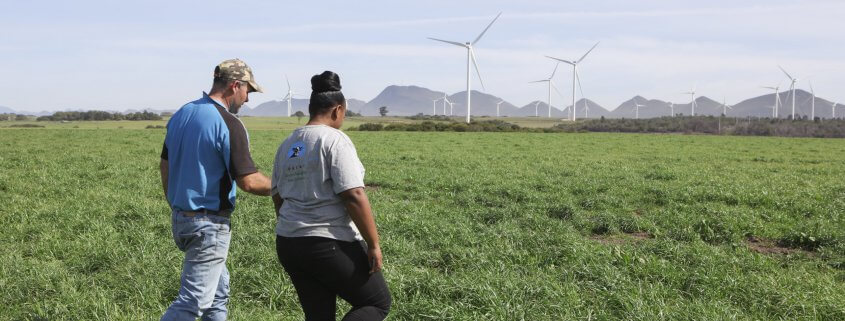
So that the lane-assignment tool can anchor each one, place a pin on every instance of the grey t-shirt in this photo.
(313, 165)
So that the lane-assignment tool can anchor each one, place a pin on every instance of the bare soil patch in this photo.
(765, 246)
(623, 238)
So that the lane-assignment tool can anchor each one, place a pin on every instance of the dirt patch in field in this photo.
(620, 239)
(372, 187)
(764, 246)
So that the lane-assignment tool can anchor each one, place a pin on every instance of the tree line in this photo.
(98, 115)
(831, 128)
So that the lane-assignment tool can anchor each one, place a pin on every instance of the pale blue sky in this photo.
(159, 54)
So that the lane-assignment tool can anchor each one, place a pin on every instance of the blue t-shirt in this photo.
(206, 148)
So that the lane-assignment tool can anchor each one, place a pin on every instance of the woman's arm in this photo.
(277, 202)
(358, 208)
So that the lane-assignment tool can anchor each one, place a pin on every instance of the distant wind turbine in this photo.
(470, 59)
(497, 107)
(692, 97)
(289, 95)
(777, 100)
(637, 109)
(833, 110)
(725, 108)
(434, 106)
(574, 64)
(535, 108)
(672, 108)
(549, 81)
(813, 103)
(792, 88)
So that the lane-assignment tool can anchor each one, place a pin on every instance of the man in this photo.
(205, 151)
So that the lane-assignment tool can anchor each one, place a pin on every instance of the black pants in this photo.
(322, 269)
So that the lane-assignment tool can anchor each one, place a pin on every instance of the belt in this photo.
(224, 213)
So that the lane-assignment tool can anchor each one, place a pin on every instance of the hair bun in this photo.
(327, 81)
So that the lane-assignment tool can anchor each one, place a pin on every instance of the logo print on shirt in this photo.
(296, 150)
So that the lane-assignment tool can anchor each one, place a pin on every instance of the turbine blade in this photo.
(543, 80)
(558, 91)
(554, 71)
(581, 89)
(288, 81)
(485, 29)
(588, 52)
(449, 42)
(561, 60)
(787, 74)
(477, 71)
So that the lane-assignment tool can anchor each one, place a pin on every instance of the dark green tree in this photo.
(382, 111)
(299, 114)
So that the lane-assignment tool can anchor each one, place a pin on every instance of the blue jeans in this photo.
(204, 287)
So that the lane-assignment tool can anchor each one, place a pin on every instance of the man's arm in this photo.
(255, 183)
(358, 208)
(162, 167)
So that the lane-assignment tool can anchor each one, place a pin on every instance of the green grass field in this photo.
(475, 226)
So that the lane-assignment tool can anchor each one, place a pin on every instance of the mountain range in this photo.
(413, 100)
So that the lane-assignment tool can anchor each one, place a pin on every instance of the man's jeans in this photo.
(205, 280)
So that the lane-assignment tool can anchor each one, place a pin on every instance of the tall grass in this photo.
(475, 226)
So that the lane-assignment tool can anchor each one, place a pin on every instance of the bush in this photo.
(26, 126)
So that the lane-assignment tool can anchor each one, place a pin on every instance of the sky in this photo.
(118, 55)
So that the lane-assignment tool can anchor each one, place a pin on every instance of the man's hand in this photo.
(255, 183)
(164, 169)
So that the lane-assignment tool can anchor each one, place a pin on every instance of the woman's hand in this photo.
(374, 258)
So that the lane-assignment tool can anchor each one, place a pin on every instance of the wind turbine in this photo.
(672, 108)
(725, 108)
(777, 100)
(470, 58)
(692, 97)
(451, 109)
(289, 95)
(549, 80)
(637, 109)
(574, 64)
(792, 88)
(535, 108)
(434, 106)
(497, 107)
(812, 103)
(833, 110)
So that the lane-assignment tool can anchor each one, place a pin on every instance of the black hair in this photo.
(325, 93)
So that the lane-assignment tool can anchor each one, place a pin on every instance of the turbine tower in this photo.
(574, 64)
(434, 106)
(833, 110)
(549, 80)
(792, 88)
(535, 108)
(497, 107)
(637, 109)
(775, 112)
(725, 108)
(812, 103)
(692, 97)
(289, 95)
(672, 108)
(470, 59)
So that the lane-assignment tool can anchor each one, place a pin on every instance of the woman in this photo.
(324, 214)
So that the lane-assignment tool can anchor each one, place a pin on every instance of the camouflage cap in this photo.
(236, 69)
